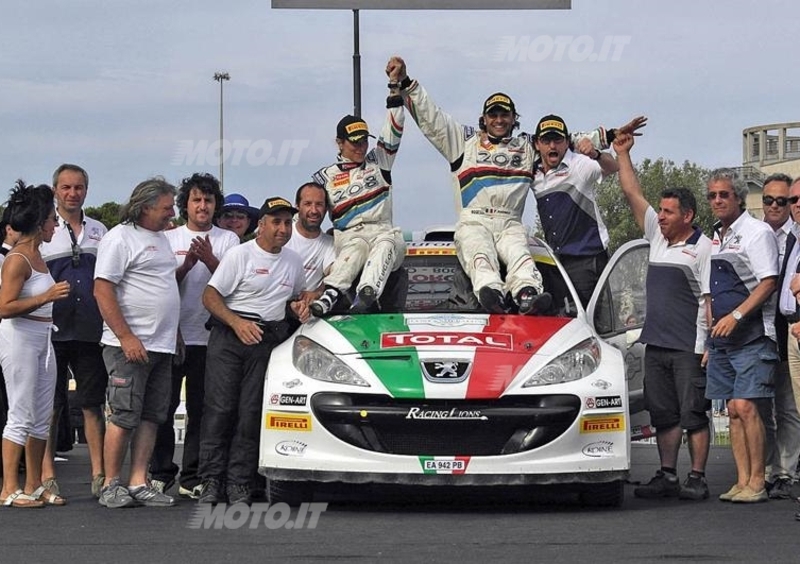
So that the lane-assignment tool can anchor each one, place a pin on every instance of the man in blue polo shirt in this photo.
(675, 330)
(742, 353)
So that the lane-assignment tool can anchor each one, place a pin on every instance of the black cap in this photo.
(551, 124)
(352, 128)
(499, 100)
(275, 205)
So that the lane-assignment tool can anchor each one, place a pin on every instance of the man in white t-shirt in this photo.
(198, 246)
(249, 296)
(137, 294)
(314, 247)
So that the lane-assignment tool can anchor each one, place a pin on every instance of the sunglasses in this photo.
(76, 255)
(723, 194)
(780, 200)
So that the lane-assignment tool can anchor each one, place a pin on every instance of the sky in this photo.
(126, 89)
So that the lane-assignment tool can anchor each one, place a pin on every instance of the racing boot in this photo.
(324, 304)
(364, 299)
(492, 300)
(532, 303)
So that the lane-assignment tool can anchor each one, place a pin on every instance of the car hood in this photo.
(412, 354)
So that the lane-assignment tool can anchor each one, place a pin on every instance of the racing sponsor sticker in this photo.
(288, 399)
(288, 422)
(499, 341)
(293, 383)
(291, 448)
(598, 449)
(444, 464)
(601, 384)
(452, 414)
(601, 402)
(602, 423)
(449, 320)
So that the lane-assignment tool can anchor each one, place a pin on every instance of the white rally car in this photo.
(432, 390)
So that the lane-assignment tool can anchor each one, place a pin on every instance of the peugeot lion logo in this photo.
(445, 371)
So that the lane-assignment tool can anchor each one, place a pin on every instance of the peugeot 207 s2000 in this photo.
(432, 390)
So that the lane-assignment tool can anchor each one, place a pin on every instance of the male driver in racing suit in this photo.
(492, 174)
(360, 203)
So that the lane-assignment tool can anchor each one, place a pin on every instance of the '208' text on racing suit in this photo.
(360, 202)
(491, 182)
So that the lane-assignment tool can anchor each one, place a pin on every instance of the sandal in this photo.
(52, 485)
(21, 500)
(45, 496)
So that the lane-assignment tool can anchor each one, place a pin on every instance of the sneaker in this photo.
(148, 496)
(115, 496)
(662, 485)
(748, 495)
(492, 300)
(324, 304)
(781, 489)
(694, 488)
(97, 484)
(211, 491)
(532, 303)
(731, 493)
(193, 493)
(161, 486)
(238, 493)
(364, 299)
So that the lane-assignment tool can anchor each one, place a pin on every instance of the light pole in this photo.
(221, 77)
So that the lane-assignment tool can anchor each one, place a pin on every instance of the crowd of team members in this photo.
(134, 311)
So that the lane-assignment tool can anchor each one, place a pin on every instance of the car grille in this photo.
(445, 427)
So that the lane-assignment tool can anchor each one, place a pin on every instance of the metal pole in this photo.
(220, 77)
(356, 68)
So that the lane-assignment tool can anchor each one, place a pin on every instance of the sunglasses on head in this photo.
(780, 200)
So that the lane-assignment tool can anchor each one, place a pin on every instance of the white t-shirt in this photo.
(251, 280)
(141, 265)
(317, 255)
(193, 314)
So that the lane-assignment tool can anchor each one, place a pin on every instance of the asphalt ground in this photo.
(415, 526)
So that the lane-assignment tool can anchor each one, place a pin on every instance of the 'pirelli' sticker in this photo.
(602, 423)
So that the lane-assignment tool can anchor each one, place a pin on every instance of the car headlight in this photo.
(578, 362)
(317, 362)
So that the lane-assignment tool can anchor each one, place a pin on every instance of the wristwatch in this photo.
(737, 315)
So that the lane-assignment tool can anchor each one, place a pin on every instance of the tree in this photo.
(107, 214)
(654, 176)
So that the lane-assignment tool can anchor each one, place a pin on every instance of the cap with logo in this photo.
(551, 124)
(275, 205)
(500, 101)
(352, 128)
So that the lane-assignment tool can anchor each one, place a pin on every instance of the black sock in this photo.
(666, 470)
(697, 474)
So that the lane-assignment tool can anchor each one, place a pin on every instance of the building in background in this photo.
(767, 149)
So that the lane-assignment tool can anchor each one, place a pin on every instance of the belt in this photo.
(792, 317)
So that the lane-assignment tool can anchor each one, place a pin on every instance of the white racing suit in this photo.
(491, 182)
(360, 203)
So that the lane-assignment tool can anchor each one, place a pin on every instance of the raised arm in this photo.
(444, 133)
(628, 180)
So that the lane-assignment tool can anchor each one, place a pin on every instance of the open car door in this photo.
(617, 313)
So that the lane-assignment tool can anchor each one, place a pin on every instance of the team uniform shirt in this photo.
(193, 315)
(362, 193)
(567, 202)
(317, 255)
(781, 234)
(76, 316)
(253, 281)
(678, 279)
(747, 255)
(141, 265)
(788, 303)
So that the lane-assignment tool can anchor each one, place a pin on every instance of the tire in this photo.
(291, 493)
(610, 494)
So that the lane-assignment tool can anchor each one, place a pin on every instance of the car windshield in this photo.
(432, 280)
